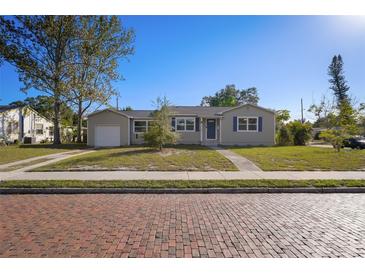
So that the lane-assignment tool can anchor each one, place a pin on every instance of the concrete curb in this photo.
(180, 190)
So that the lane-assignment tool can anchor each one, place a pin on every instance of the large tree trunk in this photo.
(56, 122)
(79, 121)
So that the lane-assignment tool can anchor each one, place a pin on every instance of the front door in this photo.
(211, 129)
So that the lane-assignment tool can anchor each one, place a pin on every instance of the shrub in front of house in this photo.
(301, 132)
(284, 137)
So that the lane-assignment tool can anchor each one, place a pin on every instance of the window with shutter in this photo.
(247, 124)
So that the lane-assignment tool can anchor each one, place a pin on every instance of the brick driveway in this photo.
(198, 225)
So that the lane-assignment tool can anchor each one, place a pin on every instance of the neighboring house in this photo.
(316, 131)
(17, 123)
(246, 125)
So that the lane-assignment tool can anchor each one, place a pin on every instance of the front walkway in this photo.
(197, 225)
(242, 163)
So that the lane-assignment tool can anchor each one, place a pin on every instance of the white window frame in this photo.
(147, 126)
(36, 129)
(248, 117)
(185, 118)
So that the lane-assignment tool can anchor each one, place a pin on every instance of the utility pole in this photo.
(117, 95)
(301, 106)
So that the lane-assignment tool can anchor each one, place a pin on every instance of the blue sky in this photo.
(188, 57)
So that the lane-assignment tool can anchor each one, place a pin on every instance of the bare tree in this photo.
(103, 40)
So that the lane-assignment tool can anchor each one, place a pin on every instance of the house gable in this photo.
(109, 110)
(246, 106)
(248, 125)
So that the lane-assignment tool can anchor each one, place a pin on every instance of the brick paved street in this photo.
(198, 225)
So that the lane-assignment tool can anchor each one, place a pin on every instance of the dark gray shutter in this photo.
(197, 124)
(173, 123)
(234, 123)
(260, 124)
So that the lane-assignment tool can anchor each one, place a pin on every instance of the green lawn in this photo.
(303, 158)
(14, 153)
(145, 158)
(183, 184)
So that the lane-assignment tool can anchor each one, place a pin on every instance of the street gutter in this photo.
(181, 190)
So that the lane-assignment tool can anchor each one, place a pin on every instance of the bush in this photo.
(284, 137)
(335, 137)
(301, 132)
(45, 141)
(67, 135)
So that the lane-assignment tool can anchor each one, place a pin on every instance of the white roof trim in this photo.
(184, 115)
(141, 118)
(111, 110)
(21, 108)
(45, 118)
(247, 105)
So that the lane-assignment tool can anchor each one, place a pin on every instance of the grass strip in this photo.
(182, 184)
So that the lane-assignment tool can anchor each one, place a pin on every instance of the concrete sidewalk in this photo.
(182, 175)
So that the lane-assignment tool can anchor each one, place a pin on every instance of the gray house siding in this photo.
(189, 138)
(107, 118)
(266, 137)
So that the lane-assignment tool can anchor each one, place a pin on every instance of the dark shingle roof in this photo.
(138, 113)
(180, 110)
(198, 111)
(4, 108)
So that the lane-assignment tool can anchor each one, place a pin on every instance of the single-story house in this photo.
(19, 122)
(245, 125)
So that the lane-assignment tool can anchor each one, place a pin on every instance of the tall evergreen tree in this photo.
(344, 122)
(337, 81)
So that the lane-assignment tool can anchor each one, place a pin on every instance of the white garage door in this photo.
(107, 136)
